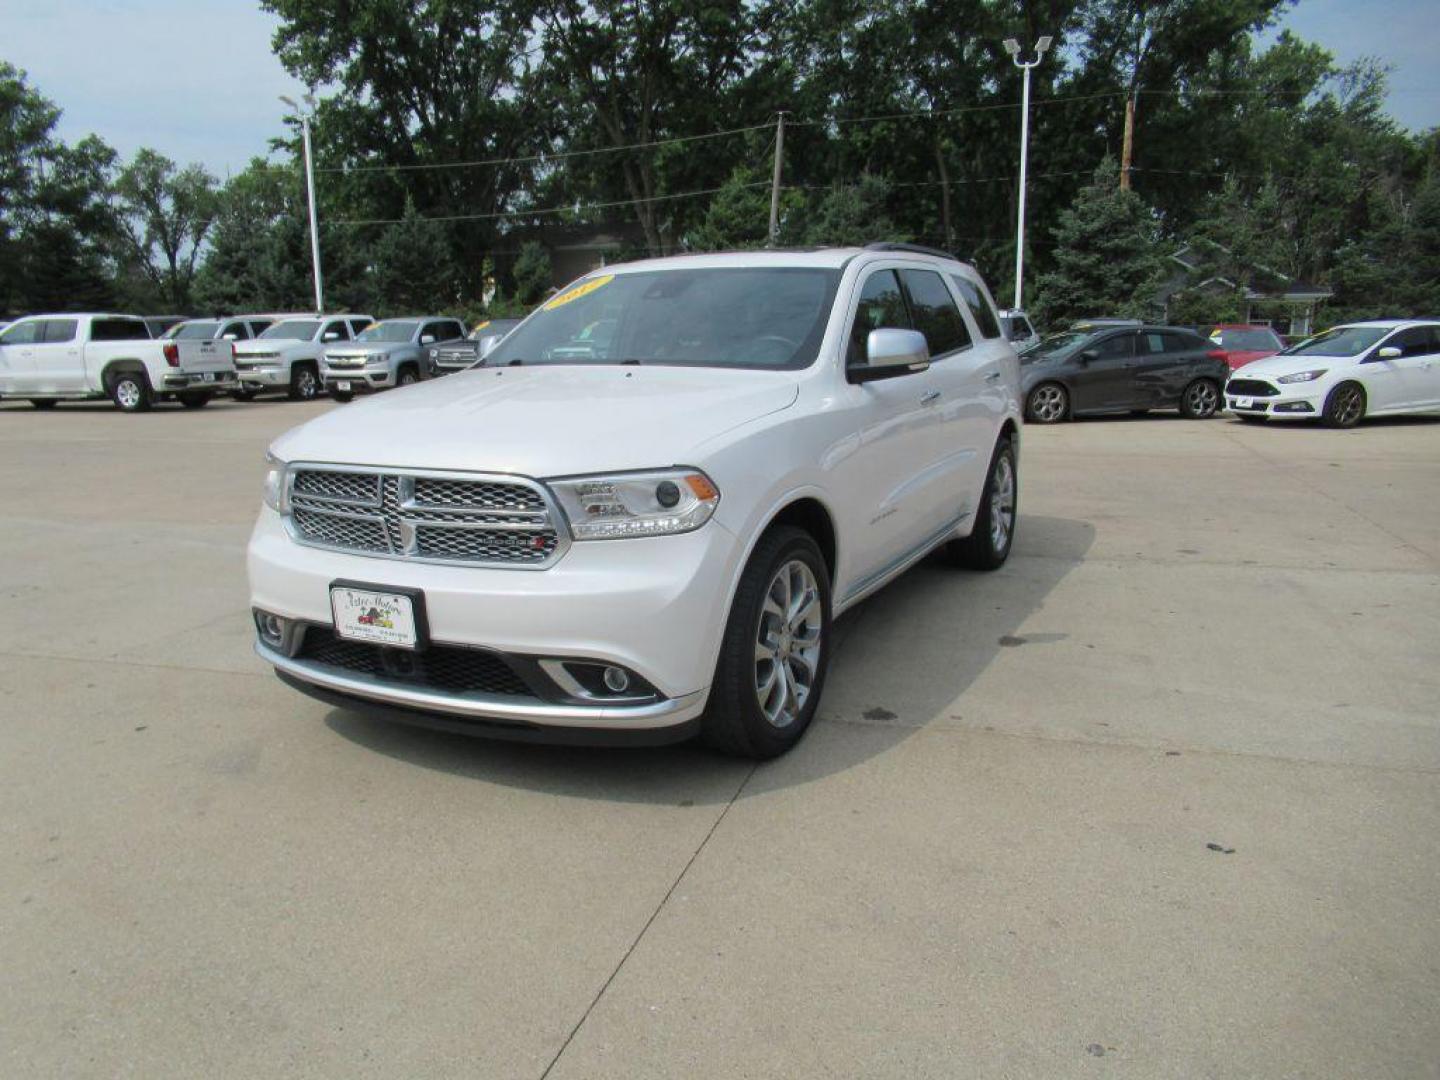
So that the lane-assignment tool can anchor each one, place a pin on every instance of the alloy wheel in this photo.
(306, 385)
(788, 643)
(1201, 399)
(1348, 404)
(127, 393)
(1002, 503)
(1047, 404)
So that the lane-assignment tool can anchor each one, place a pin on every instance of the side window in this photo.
(1178, 343)
(1116, 347)
(360, 323)
(936, 315)
(439, 331)
(979, 305)
(1416, 341)
(338, 328)
(60, 330)
(22, 334)
(881, 306)
(1150, 343)
(453, 331)
(119, 330)
(234, 331)
(259, 326)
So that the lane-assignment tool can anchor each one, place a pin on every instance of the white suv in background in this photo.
(1382, 368)
(286, 356)
(639, 518)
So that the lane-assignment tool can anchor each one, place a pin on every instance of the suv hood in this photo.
(367, 348)
(1285, 365)
(255, 346)
(543, 421)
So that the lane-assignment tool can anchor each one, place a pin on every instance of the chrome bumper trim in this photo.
(659, 714)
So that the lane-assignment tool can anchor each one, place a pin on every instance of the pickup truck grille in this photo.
(475, 521)
(456, 357)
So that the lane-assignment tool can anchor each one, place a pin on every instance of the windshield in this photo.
(1246, 340)
(1054, 345)
(396, 331)
(1342, 341)
(292, 330)
(770, 318)
(193, 331)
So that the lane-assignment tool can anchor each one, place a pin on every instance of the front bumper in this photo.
(269, 375)
(361, 380)
(655, 606)
(1298, 401)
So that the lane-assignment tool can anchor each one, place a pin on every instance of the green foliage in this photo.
(414, 273)
(1108, 259)
(165, 214)
(532, 273)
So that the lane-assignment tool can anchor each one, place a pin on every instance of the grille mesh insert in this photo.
(449, 668)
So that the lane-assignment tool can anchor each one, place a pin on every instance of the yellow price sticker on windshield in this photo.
(480, 326)
(585, 288)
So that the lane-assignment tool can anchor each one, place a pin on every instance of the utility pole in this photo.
(1013, 48)
(1127, 148)
(775, 180)
(305, 115)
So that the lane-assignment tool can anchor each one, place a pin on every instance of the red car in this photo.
(1241, 344)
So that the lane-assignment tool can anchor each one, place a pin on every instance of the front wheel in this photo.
(130, 390)
(988, 545)
(1345, 406)
(1200, 400)
(304, 383)
(775, 651)
(194, 399)
(408, 376)
(1047, 404)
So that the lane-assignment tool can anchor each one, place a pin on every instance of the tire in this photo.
(130, 391)
(195, 399)
(407, 376)
(244, 395)
(750, 688)
(304, 382)
(1048, 403)
(1344, 406)
(989, 543)
(44, 403)
(342, 396)
(1200, 400)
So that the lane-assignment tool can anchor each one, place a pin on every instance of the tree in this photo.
(413, 270)
(850, 214)
(1107, 257)
(534, 277)
(165, 213)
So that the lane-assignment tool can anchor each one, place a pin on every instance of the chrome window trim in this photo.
(426, 514)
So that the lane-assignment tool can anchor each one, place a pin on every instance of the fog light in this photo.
(617, 680)
(270, 627)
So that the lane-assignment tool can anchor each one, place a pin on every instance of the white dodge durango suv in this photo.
(638, 520)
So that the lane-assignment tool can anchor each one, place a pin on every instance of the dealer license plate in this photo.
(343, 385)
(1244, 402)
(382, 617)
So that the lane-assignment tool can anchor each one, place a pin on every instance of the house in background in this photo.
(1285, 304)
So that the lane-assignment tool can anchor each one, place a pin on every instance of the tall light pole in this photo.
(305, 115)
(1013, 48)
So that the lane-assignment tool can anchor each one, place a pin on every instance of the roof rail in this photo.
(914, 249)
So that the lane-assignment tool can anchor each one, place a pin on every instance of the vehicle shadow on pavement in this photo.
(903, 659)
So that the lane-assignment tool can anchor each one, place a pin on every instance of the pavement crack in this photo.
(648, 922)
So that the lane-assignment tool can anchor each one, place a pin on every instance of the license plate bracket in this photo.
(388, 615)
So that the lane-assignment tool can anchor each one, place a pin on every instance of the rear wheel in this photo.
(776, 649)
(1200, 399)
(304, 382)
(988, 545)
(1047, 404)
(130, 390)
(1345, 406)
(194, 399)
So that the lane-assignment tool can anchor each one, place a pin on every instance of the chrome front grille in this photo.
(456, 357)
(429, 517)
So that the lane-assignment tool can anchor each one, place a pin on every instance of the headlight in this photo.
(434, 353)
(274, 481)
(377, 359)
(658, 503)
(1302, 376)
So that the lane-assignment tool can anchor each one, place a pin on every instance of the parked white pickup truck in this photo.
(287, 355)
(46, 359)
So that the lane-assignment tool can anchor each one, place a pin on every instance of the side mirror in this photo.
(331, 335)
(1389, 352)
(889, 353)
(427, 339)
(1088, 355)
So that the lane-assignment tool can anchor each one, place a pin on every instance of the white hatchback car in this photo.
(639, 518)
(1382, 368)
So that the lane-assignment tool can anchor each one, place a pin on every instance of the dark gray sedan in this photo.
(1109, 369)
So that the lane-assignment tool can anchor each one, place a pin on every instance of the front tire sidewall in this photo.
(734, 722)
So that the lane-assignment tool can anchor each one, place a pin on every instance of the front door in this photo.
(1104, 379)
(1395, 382)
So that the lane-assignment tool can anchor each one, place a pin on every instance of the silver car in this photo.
(393, 352)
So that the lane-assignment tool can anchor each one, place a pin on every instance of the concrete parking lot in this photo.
(1159, 799)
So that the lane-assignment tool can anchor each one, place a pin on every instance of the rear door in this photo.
(1165, 362)
(1104, 380)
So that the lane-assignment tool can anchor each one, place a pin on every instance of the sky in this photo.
(195, 79)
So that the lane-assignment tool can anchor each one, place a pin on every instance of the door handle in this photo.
(929, 396)
(994, 376)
